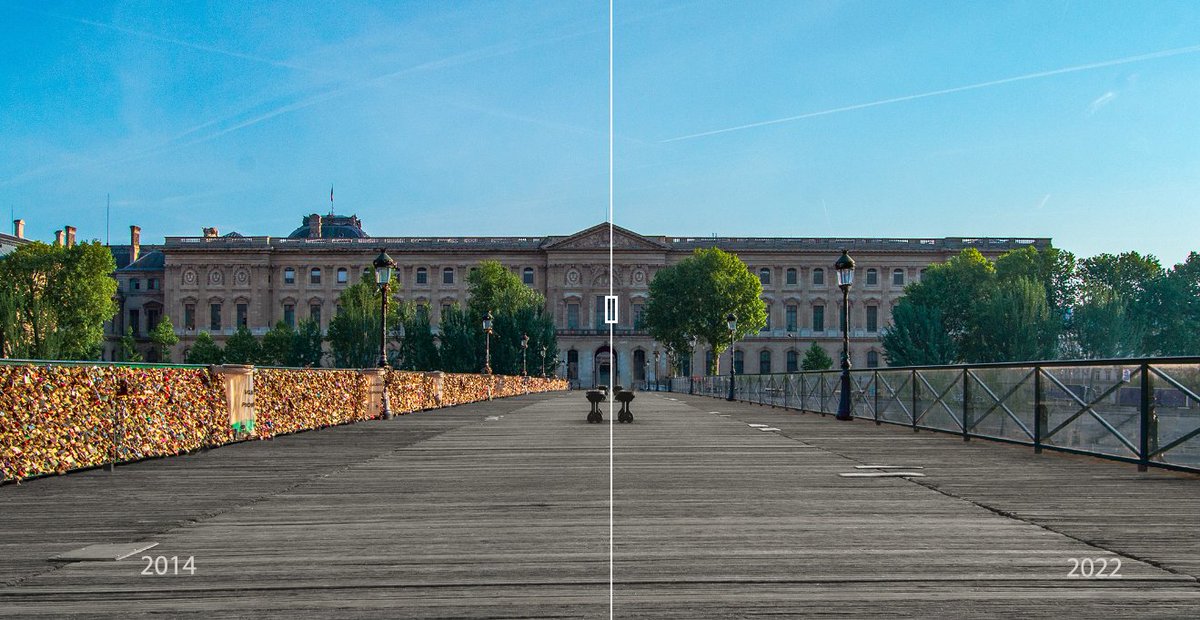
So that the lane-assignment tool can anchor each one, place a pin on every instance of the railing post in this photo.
(876, 384)
(1149, 421)
(1039, 410)
(966, 408)
(803, 392)
(916, 391)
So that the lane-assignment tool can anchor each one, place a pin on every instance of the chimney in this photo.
(70, 236)
(19, 229)
(135, 243)
(314, 226)
(211, 233)
(58, 238)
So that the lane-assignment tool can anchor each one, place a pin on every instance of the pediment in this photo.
(596, 238)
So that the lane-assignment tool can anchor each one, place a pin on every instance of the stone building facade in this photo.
(215, 283)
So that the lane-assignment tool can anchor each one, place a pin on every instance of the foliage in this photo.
(693, 296)
(1015, 324)
(354, 331)
(163, 336)
(205, 351)
(917, 337)
(815, 358)
(516, 309)
(1172, 309)
(1119, 294)
(277, 345)
(129, 352)
(461, 345)
(242, 348)
(307, 345)
(418, 351)
(56, 300)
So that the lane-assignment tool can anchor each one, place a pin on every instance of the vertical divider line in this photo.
(611, 327)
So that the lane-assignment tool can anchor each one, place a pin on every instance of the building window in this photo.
(872, 318)
(314, 313)
(764, 275)
(289, 314)
(134, 284)
(872, 277)
(527, 276)
(241, 315)
(152, 284)
(422, 275)
(314, 276)
(818, 318)
(767, 326)
(791, 317)
(708, 361)
(445, 311)
(343, 276)
(448, 275)
(599, 318)
(289, 276)
(872, 359)
(639, 311)
(573, 365)
(214, 317)
(921, 275)
(819, 276)
(423, 311)
(135, 322)
(898, 277)
(764, 363)
(189, 316)
(793, 361)
(639, 365)
(572, 316)
(739, 363)
(792, 276)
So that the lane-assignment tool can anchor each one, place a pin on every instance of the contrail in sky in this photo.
(946, 91)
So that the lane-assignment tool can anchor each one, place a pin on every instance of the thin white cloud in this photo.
(946, 91)
(1045, 199)
(1101, 101)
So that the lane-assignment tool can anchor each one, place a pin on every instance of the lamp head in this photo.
(731, 321)
(845, 270)
(383, 268)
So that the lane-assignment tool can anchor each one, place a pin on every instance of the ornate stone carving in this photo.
(572, 276)
(215, 277)
(241, 277)
(189, 277)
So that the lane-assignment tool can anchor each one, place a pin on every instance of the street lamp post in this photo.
(524, 347)
(845, 276)
(543, 361)
(487, 343)
(655, 367)
(731, 323)
(383, 276)
(691, 368)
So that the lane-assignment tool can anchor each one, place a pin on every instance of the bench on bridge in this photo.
(597, 396)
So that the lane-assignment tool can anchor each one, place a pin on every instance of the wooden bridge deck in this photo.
(501, 510)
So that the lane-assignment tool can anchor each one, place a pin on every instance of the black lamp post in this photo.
(691, 360)
(656, 368)
(487, 343)
(845, 276)
(524, 347)
(731, 323)
(383, 276)
(543, 361)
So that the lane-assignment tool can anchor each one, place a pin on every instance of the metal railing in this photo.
(1144, 411)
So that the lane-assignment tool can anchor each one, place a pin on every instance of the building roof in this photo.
(147, 261)
(332, 227)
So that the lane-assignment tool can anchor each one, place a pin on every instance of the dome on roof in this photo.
(329, 227)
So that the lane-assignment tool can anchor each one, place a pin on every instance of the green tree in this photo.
(354, 331)
(57, 300)
(1015, 324)
(243, 348)
(917, 337)
(163, 336)
(418, 351)
(307, 345)
(815, 358)
(129, 352)
(1119, 297)
(956, 289)
(277, 345)
(517, 310)
(1102, 327)
(205, 351)
(1172, 308)
(693, 297)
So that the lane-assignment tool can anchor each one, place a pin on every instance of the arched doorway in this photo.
(605, 365)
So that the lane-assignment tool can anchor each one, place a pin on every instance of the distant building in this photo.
(215, 283)
(11, 242)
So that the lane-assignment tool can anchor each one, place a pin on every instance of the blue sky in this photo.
(1074, 120)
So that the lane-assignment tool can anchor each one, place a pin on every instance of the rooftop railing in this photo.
(1143, 411)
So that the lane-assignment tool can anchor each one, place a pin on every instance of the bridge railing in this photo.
(1144, 411)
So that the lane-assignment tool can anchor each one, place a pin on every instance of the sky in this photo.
(1074, 120)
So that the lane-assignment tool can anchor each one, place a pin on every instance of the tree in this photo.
(1120, 295)
(354, 331)
(917, 337)
(307, 345)
(163, 336)
(242, 348)
(1014, 324)
(461, 345)
(277, 345)
(1172, 308)
(205, 351)
(56, 300)
(815, 358)
(417, 349)
(1102, 327)
(693, 297)
(129, 352)
(517, 310)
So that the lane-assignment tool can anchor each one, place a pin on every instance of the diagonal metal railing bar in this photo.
(999, 401)
(1175, 384)
(1162, 374)
(940, 398)
(860, 393)
(1086, 407)
(894, 394)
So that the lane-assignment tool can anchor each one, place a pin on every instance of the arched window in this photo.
(872, 359)
(422, 275)
(448, 275)
(818, 276)
(708, 361)
(314, 276)
(767, 326)
(739, 363)
(764, 275)
(639, 365)
(573, 365)
(872, 277)
(792, 276)
(764, 363)
(527, 276)
(898, 277)
(793, 361)
(343, 275)
(289, 275)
